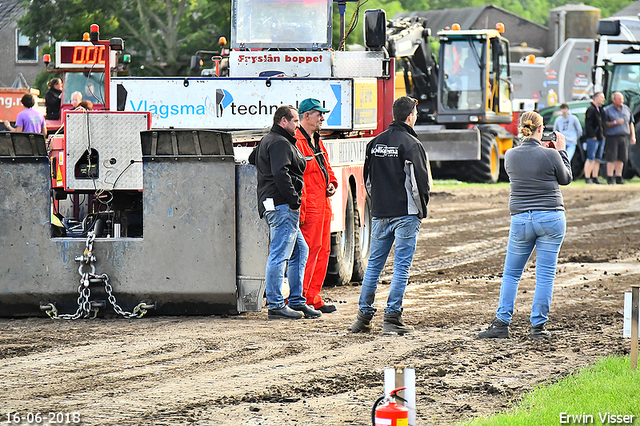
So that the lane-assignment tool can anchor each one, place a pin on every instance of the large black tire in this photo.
(340, 267)
(487, 169)
(362, 242)
(632, 168)
(504, 177)
(577, 162)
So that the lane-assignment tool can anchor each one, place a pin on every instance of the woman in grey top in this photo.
(536, 170)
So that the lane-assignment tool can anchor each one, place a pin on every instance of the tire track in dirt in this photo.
(246, 370)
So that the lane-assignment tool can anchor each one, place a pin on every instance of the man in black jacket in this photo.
(593, 132)
(397, 178)
(280, 167)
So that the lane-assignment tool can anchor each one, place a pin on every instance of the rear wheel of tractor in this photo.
(362, 241)
(340, 266)
(577, 162)
(634, 159)
(487, 169)
(504, 177)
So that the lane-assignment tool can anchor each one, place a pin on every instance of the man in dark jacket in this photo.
(397, 178)
(280, 167)
(593, 132)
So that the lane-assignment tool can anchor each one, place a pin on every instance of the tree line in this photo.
(161, 35)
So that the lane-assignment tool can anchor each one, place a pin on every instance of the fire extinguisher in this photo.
(390, 414)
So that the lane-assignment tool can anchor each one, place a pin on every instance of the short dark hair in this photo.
(564, 106)
(27, 100)
(283, 111)
(402, 108)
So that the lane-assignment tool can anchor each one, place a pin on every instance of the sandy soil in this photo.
(245, 370)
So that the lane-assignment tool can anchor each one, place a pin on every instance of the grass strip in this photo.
(601, 394)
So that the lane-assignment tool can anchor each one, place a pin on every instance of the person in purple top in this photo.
(29, 120)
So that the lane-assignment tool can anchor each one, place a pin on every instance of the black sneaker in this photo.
(284, 313)
(327, 308)
(619, 180)
(497, 330)
(596, 180)
(540, 332)
(588, 181)
(307, 310)
(611, 180)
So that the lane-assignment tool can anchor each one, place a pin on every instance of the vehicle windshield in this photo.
(462, 73)
(625, 77)
(281, 23)
(91, 86)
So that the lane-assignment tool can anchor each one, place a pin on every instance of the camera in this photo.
(549, 137)
(548, 140)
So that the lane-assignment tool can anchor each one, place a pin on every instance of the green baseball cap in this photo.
(311, 104)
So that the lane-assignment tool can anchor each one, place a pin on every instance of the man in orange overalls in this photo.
(320, 183)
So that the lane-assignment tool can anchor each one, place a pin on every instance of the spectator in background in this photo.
(620, 131)
(53, 99)
(76, 98)
(28, 120)
(570, 128)
(594, 134)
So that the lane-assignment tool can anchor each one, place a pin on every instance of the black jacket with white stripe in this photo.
(396, 173)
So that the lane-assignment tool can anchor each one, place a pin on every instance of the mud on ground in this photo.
(245, 370)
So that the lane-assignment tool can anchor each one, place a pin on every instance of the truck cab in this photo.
(474, 79)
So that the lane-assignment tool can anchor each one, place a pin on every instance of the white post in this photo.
(399, 377)
(635, 295)
(410, 394)
(389, 380)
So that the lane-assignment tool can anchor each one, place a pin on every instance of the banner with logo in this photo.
(229, 103)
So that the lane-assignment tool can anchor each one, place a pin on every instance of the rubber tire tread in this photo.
(360, 259)
(340, 268)
(480, 171)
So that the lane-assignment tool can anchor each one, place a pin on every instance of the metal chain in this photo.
(84, 304)
(85, 307)
(138, 312)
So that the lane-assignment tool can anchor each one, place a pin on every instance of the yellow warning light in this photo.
(500, 27)
(531, 59)
(455, 27)
(85, 37)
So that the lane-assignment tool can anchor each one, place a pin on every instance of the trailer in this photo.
(563, 77)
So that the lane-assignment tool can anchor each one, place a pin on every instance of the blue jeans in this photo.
(287, 249)
(543, 230)
(571, 149)
(384, 231)
(595, 148)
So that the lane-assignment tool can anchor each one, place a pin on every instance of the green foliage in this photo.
(391, 7)
(606, 387)
(160, 35)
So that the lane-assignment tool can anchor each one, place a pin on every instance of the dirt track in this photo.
(245, 370)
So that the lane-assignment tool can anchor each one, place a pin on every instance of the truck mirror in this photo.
(196, 63)
(608, 28)
(375, 28)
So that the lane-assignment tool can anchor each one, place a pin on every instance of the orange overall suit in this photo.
(315, 214)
